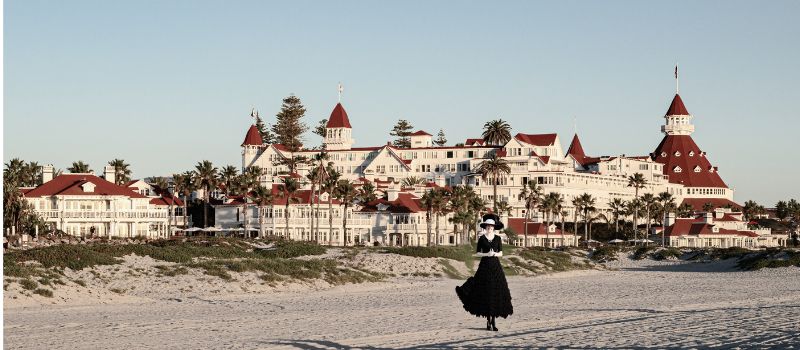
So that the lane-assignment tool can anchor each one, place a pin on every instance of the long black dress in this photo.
(486, 294)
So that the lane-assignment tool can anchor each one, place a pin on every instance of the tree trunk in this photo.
(205, 209)
(428, 219)
(494, 194)
(436, 239)
(260, 221)
(330, 221)
(525, 226)
(344, 225)
(311, 219)
(586, 226)
(286, 217)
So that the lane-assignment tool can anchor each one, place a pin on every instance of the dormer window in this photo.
(663, 154)
(323, 197)
(677, 153)
(697, 169)
(691, 153)
(88, 187)
(677, 169)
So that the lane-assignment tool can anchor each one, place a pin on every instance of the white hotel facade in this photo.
(678, 166)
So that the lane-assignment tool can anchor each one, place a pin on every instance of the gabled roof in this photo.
(420, 133)
(537, 139)
(698, 203)
(167, 200)
(681, 151)
(253, 137)
(70, 185)
(479, 142)
(338, 118)
(691, 226)
(677, 107)
(576, 150)
(533, 228)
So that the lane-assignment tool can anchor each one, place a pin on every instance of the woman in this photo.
(486, 294)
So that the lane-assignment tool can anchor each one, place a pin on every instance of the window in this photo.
(677, 169)
(449, 154)
(677, 153)
(691, 153)
(697, 169)
(470, 154)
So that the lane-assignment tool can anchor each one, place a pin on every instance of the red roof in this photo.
(70, 184)
(680, 151)
(421, 133)
(677, 107)
(538, 139)
(534, 228)
(338, 118)
(166, 201)
(698, 203)
(576, 150)
(253, 137)
(689, 226)
(471, 142)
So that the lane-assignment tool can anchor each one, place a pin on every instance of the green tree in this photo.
(492, 168)
(205, 177)
(667, 205)
(402, 133)
(781, 210)
(531, 195)
(228, 177)
(649, 202)
(267, 137)
(685, 210)
(750, 209)
(587, 206)
(496, 132)
(80, 167)
(262, 197)
(428, 201)
(708, 207)
(440, 141)
(184, 184)
(617, 206)
(321, 128)
(329, 185)
(637, 181)
(346, 193)
(122, 173)
(288, 189)
(244, 184)
(289, 127)
(412, 181)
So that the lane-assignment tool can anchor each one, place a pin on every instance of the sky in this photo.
(165, 84)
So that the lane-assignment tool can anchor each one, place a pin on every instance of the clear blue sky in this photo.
(164, 84)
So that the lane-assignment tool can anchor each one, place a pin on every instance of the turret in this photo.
(338, 132)
(678, 120)
(250, 146)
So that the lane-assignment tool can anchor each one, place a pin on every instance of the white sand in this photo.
(641, 304)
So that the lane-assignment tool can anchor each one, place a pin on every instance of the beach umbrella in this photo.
(193, 229)
(617, 240)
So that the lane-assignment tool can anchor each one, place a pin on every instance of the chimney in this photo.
(47, 173)
(670, 220)
(391, 194)
(110, 174)
(708, 218)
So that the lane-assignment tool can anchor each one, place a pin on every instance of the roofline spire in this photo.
(677, 85)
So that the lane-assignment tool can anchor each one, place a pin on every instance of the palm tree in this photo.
(205, 177)
(636, 181)
(262, 197)
(667, 205)
(162, 188)
(121, 172)
(329, 185)
(587, 206)
(493, 167)
(708, 207)
(80, 167)
(685, 210)
(531, 195)
(412, 181)
(289, 187)
(228, 177)
(496, 132)
(317, 176)
(440, 200)
(551, 205)
(617, 206)
(346, 193)
(577, 202)
(428, 202)
(648, 202)
(245, 183)
(184, 184)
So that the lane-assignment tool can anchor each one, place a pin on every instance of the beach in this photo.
(633, 304)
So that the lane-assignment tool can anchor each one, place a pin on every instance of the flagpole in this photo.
(677, 83)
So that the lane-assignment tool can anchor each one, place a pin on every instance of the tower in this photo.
(678, 121)
(338, 132)
(250, 146)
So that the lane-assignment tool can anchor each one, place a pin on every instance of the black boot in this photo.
(494, 328)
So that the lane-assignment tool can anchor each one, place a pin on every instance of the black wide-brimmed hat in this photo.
(498, 225)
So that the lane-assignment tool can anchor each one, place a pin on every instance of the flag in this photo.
(676, 71)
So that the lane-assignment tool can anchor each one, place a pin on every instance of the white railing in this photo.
(91, 214)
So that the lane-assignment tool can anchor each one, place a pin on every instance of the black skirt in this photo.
(487, 294)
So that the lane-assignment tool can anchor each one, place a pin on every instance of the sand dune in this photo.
(640, 304)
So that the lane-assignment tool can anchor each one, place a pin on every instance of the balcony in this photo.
(92, 214)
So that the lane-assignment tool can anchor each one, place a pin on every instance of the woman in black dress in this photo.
(486, 294)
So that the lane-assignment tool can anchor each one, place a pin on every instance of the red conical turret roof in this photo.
(253, 137)
(575, 149)
(338, 118)
(677, 107)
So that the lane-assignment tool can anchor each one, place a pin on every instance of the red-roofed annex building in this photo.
(722, 228)
(678, 166)
(87, 205)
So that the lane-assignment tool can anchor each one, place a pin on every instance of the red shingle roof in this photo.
(70, 184)
(253, 137)
(338, 118)
(690, 226)
(674, 151)
(471, 142)
(576, 150)
(534, 228)
(421, 133)
(677, 107)
(698, 203)
(538, 139)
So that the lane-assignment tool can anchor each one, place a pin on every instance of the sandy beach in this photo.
(635, 304)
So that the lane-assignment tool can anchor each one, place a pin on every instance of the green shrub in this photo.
(80, 283)
(667, 253)
(44, 292)
(604, 253)
(28, 284)
(460, 253)
(769, 259)
(643, 252)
